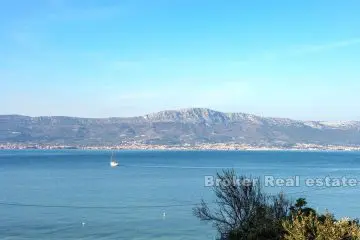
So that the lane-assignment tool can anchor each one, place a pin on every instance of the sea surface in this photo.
(73, 194)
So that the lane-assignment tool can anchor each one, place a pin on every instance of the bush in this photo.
(244, 211)
(304, 226)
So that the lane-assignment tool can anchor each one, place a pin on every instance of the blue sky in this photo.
(297, 59)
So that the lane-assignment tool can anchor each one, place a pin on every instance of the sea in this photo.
(75, 194)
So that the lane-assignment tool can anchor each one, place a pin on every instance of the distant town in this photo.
(183, 129)
(205, 146)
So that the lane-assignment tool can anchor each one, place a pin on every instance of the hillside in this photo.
(192, 126)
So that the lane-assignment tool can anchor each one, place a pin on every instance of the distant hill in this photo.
(191, 126)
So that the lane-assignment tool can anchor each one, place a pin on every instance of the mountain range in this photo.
(185, 126)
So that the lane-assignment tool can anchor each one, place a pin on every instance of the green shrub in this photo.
(303, 226)
(245, 212)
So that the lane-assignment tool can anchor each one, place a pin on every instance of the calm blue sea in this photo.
(76, 195)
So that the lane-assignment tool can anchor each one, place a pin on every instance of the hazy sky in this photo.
(285, 58)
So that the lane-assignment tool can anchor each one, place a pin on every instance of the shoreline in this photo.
(200, 147)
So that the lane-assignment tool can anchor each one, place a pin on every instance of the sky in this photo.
(99, 58)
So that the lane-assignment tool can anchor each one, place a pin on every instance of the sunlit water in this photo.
(77, 195)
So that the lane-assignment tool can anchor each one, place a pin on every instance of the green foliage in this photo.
(245, 212)
(303, 226)
(300, 206)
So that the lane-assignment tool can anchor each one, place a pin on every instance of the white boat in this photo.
(113, 163)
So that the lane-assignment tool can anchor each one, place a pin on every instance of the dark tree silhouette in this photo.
(243, 210)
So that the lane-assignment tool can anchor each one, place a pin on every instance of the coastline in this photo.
(186, 147)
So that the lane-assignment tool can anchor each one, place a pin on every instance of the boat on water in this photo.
(113, 162)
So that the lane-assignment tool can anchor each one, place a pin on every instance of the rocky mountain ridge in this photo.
(184, 126)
